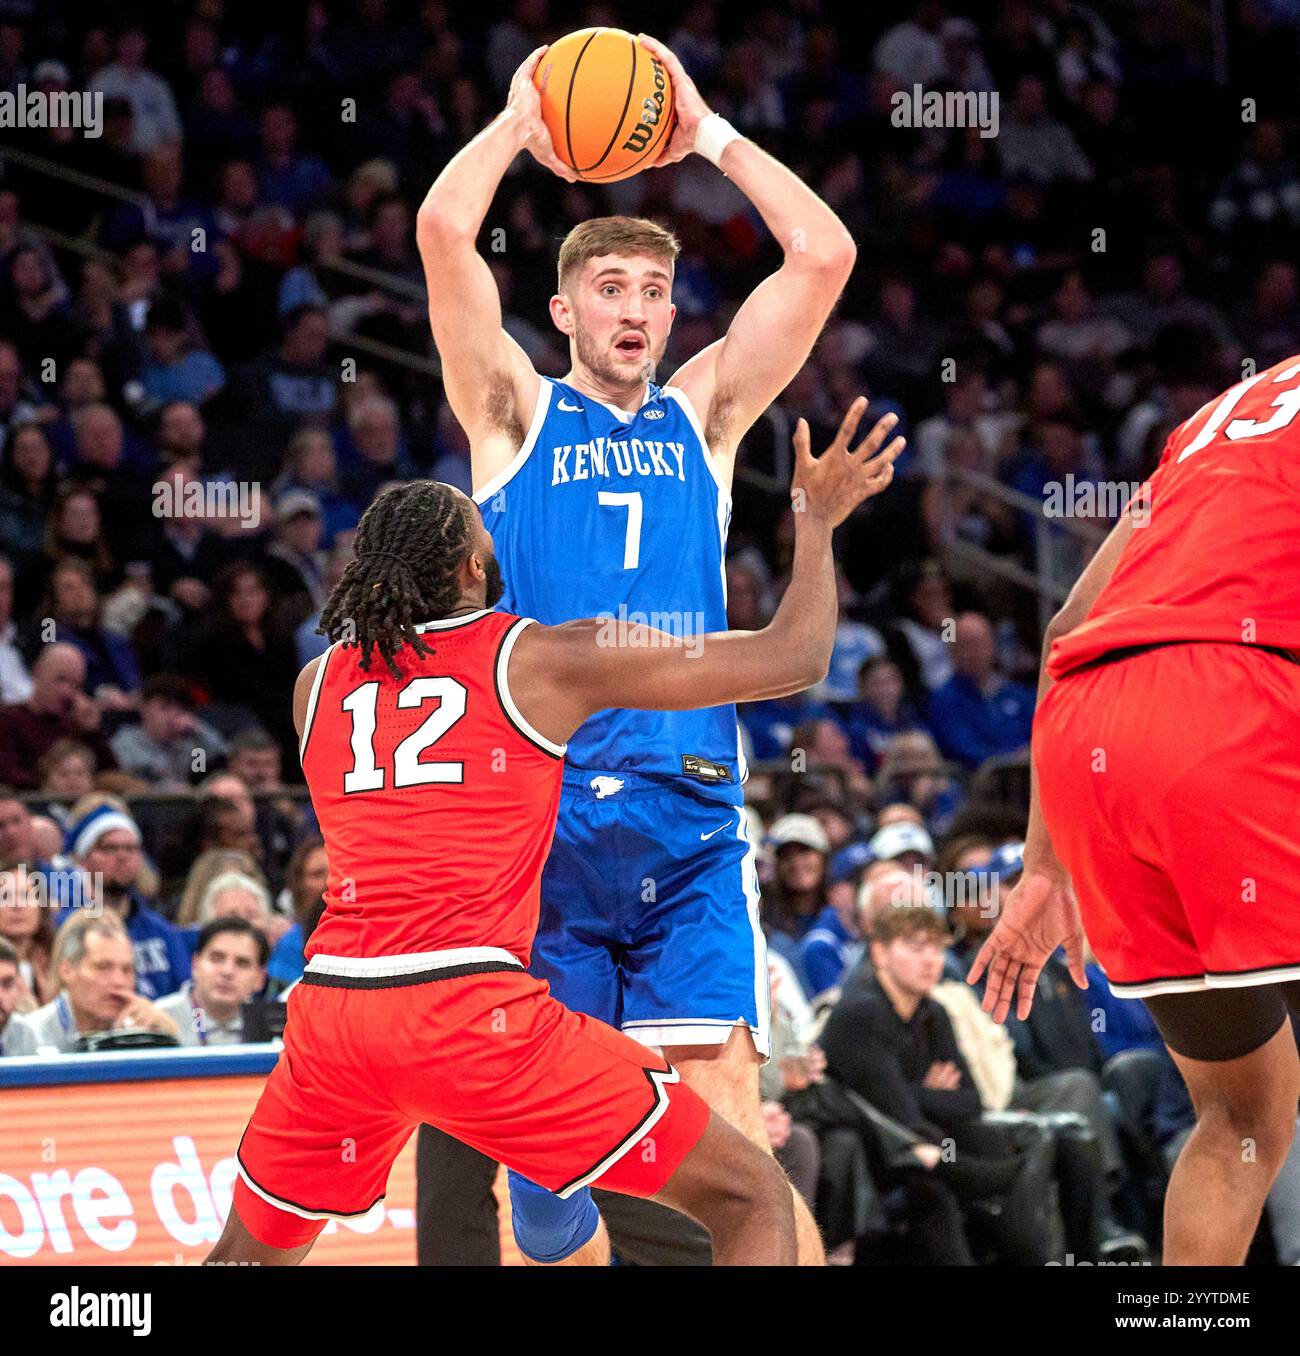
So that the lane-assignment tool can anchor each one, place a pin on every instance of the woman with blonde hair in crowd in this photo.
(206, 868)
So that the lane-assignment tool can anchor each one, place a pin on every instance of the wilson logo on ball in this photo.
(607, 103)
(652, 110)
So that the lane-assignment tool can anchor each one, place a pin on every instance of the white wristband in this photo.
(713, 136)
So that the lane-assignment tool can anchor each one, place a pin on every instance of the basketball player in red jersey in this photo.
(1167, 794)
(436, 777)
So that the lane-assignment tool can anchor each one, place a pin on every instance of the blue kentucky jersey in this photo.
(621, 516)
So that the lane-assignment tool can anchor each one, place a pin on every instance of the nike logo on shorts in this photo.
(704, 837)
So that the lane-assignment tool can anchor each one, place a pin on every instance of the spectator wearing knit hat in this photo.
(106, 845)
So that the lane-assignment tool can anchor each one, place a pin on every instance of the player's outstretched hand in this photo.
(831, 486)
(689, 107)
(1039, 915)
(526, 104)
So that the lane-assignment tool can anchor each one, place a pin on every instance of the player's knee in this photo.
(754, 1186)
(1261, 1123)
(548, 1228)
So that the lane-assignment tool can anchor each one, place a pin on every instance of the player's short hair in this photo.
(892, 924)
(615, 235)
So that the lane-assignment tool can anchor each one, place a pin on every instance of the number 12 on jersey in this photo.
(362, 704)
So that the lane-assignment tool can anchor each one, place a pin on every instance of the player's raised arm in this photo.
(734, 380)
(489, 380)
(561, 675)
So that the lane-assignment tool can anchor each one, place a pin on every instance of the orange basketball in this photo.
(607, 103)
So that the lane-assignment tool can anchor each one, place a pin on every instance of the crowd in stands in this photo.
(205, 381)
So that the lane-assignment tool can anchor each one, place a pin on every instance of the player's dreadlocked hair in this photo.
(384, 594)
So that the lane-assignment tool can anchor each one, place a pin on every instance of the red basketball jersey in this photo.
(1219, 555)
(437, 800)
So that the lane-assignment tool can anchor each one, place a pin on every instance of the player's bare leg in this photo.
(1245, 1120)
(237, 1245)
(739, 1194)
(726, 1076)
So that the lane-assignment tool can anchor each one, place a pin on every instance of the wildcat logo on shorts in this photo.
(606, 786)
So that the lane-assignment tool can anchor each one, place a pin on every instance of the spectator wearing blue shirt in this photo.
(169, 219)
(979, 713)
(175, 368)
(305, 879)
(308, 641)
(912, 772)
(797, 895)
(105, 843)
(287, 177)
(311, 464)
(771, 724)
(880, 711)
(855, 643)
(74, 605)
(829, 948)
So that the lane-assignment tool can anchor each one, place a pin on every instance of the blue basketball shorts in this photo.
(649, 917)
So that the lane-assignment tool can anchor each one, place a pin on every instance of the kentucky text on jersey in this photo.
(617, 456)
(621, 515)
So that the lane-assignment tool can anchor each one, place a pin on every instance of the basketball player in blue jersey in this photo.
(609, 495)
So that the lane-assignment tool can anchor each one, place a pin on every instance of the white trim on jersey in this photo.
(1278, 974)
(507, 699)
(412, 963)
(312, 697)
(450, 623)
(498, 481)
(684, 402)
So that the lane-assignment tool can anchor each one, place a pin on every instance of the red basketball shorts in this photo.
(479, 1049)
(1170, 785)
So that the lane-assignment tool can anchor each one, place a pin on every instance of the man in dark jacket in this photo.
(892, 1044)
